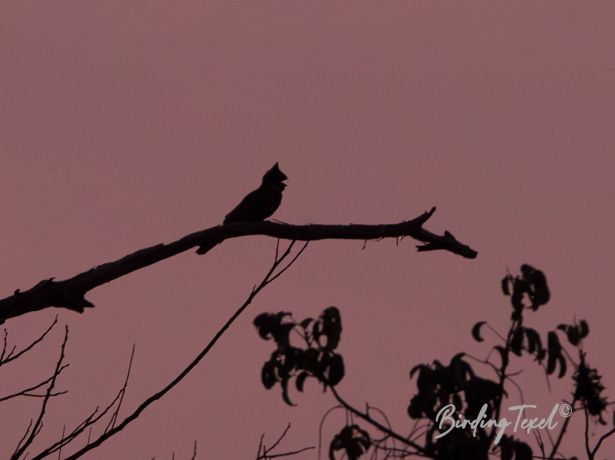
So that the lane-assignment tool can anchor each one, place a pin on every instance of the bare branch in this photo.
(269, 277)
(601, 440)
(70, 293)
(282, 436)
(61, 437)
(90, 420)
(10, 356)
(375, 423)
(587, 448)
(287, 454)
(38, 424)
(265, 453)
(562, 431)
(28, 391)
(122, 392)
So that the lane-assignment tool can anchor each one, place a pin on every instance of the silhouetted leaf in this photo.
(584, 328)
(284, 384)
(353, 440)
(540, 355)
(517, 295)
(574, 335)
(263, 325)
(476, 331)
(281, 334)
(414, 408)
(461, 370)
(534, 344)
(516, 343)
(300, 381)
(478, 392)
(425, 379)
(537, 290)
(268, 375)
(416, 368)
(329, 325)
(309, 361)
(589, 388)
(576, 332)
(457, 402)
(554, 350)
(562, 363)
(506, 282)
(511, 448)
(336, 369)
(507, 450)
(523, 451)
(268, 324)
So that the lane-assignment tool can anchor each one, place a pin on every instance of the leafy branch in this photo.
(456, 411)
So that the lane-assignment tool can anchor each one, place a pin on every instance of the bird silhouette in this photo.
(262, 202)
(258, 204)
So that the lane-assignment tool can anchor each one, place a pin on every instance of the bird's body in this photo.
(262, 202)
(258, 204)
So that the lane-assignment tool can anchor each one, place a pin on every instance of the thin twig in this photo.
(122, 391)
(587, 449)
(21, 448)
(560, 435)
(12, 355)
(88, 422)
(601, 440)
(27, 391)
(376, 424)
(265, 453)
(156, 396)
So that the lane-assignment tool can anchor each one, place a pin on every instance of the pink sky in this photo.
(125, 124)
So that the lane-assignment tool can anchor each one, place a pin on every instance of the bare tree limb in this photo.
(266, 453)
(562, 431)
(268, 278)
(365, 416)
(90, 420)
(70, 293)
(11, 355)
(28, 391)
(122, 392)
(34, 429)
(601, 440)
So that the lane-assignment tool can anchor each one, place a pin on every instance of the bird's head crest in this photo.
(275, 176)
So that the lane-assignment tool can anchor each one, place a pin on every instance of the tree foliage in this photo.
(455, 392)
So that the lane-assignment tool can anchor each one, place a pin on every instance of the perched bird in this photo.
(258, 204)
(262, 202)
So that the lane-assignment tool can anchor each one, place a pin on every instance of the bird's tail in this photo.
(206, 247)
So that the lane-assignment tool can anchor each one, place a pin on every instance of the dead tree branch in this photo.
(266, 453)
(271, 275)
(7, 356)
(34, 430)
(88, 422)
(70, 293)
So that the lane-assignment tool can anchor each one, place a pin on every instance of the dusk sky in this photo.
(127, 124)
